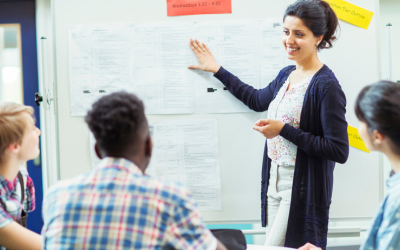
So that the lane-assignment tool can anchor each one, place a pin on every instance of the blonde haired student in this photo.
(19, 143)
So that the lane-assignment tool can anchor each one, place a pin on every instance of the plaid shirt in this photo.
(116, 206)
(10, 194)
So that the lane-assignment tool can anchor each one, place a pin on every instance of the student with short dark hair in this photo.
(378, 109)
(116, 205)
(19, 143)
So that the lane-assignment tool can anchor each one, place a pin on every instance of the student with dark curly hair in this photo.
(117, 206)
(378, 109)
(306, 129)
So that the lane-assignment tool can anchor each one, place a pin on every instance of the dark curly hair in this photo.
(378, 105)
(318, 16)
(117, 121)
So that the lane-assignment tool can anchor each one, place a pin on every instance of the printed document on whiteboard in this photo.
(152, 59)
(235, 45)
(99, 62)
(187, 152)
(161, 55)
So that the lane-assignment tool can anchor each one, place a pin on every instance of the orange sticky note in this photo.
(198, 7)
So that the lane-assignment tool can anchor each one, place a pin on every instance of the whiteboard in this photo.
(354, 60)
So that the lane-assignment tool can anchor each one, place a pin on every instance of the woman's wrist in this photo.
(214, 69)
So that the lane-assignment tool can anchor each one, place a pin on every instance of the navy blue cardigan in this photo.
(321, 139)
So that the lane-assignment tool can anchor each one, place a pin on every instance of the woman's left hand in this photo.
(269, 128)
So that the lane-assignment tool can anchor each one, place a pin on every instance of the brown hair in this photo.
(12, 124)
(378, 105)
(319, 17)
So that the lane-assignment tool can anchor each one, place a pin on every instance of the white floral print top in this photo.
(286, 107)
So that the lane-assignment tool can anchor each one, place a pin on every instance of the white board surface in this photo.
(354, 60)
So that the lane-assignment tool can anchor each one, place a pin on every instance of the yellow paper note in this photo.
(355, 139)
(351, 13)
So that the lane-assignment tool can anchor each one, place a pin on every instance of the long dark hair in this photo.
(318, 16)
(378, 105)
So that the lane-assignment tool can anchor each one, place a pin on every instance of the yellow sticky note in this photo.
(351, 13)
(355, 139)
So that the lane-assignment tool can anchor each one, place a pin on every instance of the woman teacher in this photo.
(306, 129)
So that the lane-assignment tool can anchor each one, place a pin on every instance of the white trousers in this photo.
(278, 203)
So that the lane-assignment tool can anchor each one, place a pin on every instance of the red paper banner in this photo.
(198, 7)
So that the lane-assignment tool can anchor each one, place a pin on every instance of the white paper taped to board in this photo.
(187, 152)
(151, 60)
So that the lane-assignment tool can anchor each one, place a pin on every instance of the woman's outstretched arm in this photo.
(255, 99)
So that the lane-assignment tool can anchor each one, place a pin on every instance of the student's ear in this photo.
(377, 138)
(148, 147)
(14, 148)
(97, 150)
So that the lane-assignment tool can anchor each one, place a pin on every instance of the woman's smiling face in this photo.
(298, 40)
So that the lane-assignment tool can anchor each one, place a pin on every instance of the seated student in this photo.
(378, 109)
(19, 143)
(117, 206)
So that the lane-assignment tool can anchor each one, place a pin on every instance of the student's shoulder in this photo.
(396, 212)
(66, 185)
(169, 191)
(28, 182)
(389, 233)
(394, 200)
(23, 171)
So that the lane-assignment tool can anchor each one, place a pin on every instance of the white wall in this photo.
(390, 13)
